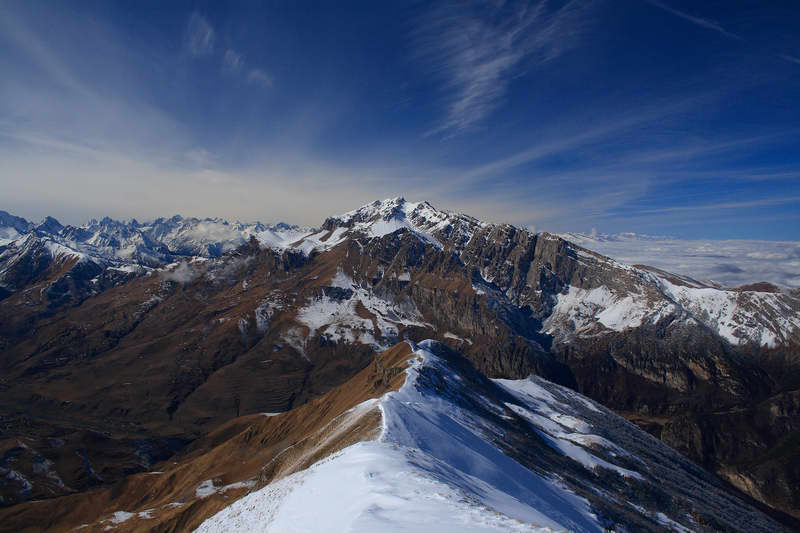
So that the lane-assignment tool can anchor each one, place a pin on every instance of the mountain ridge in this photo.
(221, 235)
(417, 440)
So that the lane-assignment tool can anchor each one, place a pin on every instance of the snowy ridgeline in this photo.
(440, 465)
(426, 472)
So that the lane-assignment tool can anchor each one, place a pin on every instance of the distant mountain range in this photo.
(130, 242)
(622, 300)
(169, 334)
(727, 263)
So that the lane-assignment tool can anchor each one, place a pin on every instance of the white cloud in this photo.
(730, 262)
(478, 49)
(199, 35)
(182, 274)
(232, 61)
(259, 77)
(75, 183)
(199, 157)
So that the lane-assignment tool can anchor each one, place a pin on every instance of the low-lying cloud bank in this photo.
(731, 262)
(182, 274)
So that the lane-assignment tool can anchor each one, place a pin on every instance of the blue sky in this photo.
(661, 117)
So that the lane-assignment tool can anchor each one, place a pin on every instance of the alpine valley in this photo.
(399, 368)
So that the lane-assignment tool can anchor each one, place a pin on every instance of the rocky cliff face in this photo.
(172, 351)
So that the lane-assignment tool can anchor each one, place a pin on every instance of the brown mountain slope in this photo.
(447, 408)
(242, 454)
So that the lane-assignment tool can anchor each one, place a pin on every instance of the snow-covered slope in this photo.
(384, 217)
(12, 227)
(459, 453)
(335, 315)
(609, 297)
(620, 297)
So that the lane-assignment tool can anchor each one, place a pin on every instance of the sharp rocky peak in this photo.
(50, 225)
(387, 209)
(382, 217)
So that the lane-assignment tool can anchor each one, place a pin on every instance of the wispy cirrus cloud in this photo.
(259, 77)
(36, 48)
(200, 38)
(572, 135)
(711, 25)
(232, 61)
(477, 49)
(200, 35)
(790, 59)
(725, 205)
(699, 21)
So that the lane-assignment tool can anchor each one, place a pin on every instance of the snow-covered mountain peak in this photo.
(388, 209)
(382, 217)
(7, 220)
(11, 227)
(50, 225)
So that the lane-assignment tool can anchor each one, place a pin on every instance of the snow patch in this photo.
(453, 336)
(119, 517)
(209, 487)
(738, 317)
(580, 310)
(336, 316)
